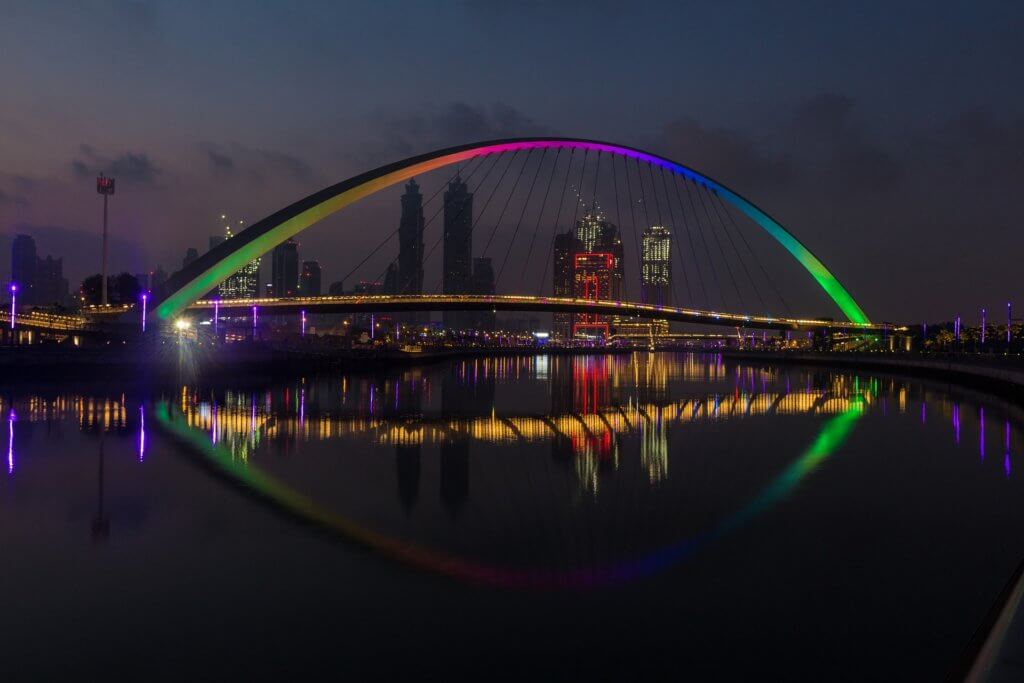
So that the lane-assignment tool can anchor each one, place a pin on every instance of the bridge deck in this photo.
(510, 302)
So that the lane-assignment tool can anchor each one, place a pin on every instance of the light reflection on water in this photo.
(553, 472)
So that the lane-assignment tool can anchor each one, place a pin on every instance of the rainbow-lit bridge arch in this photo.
(191, 283)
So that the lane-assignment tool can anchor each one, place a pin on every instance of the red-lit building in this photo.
(593, 276)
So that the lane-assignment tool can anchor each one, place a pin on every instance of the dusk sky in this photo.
(888, 136)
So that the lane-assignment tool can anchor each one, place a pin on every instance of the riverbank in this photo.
(1000, 374)
(170, 362)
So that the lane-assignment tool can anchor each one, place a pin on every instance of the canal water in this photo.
(631, 516)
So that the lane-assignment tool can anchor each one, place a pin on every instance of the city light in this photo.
(14, 296)
(303, 323)
(181, 324)
(145, 298)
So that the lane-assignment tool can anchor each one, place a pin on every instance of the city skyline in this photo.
(861, 155)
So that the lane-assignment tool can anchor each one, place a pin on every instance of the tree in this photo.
(121, 289)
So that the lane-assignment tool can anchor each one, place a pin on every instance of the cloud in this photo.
(724, 154)
(11, 200)
(255, 165)
(403, 134)
(220, 163)
(130, 167)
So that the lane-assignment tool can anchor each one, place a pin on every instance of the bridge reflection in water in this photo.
(615, 428)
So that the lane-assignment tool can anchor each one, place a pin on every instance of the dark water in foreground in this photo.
(645, 516)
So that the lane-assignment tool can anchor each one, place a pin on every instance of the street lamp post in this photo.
(1009, 320)
(14, 298)
(145, 299)
(105, 187)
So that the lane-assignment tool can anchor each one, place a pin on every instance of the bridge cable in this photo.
(675, 239)
(554, 228)
(390, 235)
(689, 239)
(721, 249)
(483, 209)
(632, 223)
(515, 232)
(728, 233)
(704, 242)
(657, 204)
(427, 223)
(618, 219)
(728, 213)
(540, 216)
(647, 225)
(462, 207)
(579, 190)
(508, 200)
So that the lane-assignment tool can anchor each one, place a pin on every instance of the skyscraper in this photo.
(410, 241)
(51, 287)
(589, 228)
(656, 265)
(597, 235)
(191, 254)
(285, 268)
(309, 281)
(23, 267)
(565, 249)
(458, 246)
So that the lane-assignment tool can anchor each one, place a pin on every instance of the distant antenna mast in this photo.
(105, 187)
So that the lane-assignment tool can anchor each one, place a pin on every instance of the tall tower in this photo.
(285, 268)
(458, 245)
(483, 283)
(656, 265)
(410, 241)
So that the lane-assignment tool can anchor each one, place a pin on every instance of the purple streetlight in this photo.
(14, 296)
(145, 299)
(254, 322)
(1009, 320)
(216, 316)
(303, 323)
(983, 315)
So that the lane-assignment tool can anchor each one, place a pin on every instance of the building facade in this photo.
(566, 246)
(593, 275)
(656, 265)
(410, 241)
(23, 267)
(483, 283)
(310, 280)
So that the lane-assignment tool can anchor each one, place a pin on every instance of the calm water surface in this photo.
(636, 516)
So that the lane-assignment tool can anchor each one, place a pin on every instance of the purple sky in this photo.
(889, 136)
